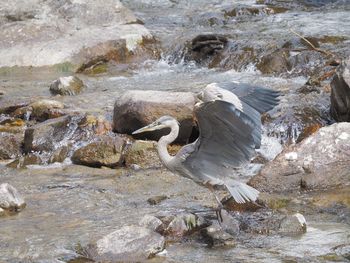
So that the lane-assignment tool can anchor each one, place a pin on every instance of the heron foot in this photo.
(218, 213)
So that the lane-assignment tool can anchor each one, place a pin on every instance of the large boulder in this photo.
(127, 244)
(107, 151)
(10, 199)
(138, 108)
(340, 94)
(72, 33)
(318, 162)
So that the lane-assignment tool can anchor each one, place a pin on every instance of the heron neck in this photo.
(164, 141)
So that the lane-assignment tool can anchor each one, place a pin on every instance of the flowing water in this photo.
(69, 205)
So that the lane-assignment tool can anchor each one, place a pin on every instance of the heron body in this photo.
(229, 120)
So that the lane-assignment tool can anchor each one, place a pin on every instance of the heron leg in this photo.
(220, 205)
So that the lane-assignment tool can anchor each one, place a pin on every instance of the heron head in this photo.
(161, 123)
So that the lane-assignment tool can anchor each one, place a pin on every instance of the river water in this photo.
(69, 206)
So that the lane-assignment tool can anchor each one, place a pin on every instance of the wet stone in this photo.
(28, 159)
(151, 222)
(215, 236)
(70, 86)
(343, 250)
(10, 145)
(129, 243)
(42, 110)
(340, 93)
(10, 199)
(293, 224)
(184, 224)
(155, 200)
(51, 134)
(59, 155)
(107, 151)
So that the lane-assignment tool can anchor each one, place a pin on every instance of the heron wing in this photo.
(259, 98)
(226, 140)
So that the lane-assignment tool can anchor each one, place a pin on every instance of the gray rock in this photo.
(340, 94)
(229, 224)
(215, 236)
(51, 134)
(83, 33)
(10, 145)
(293, 224)
(107, 151)
(184, 224)
(151, 222)
(127, 244)
(10, 199)
(138, 108)
(71, 85)
(318, 162)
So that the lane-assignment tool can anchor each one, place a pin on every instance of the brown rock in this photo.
(143, 154)
(107, 151)
(138, 108)
(71, 85)
(10, 145)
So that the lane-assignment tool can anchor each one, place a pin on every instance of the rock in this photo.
(142, 153)
(276, 62)
(185, 224)
(320, 161)
(138, 108)
(156, 199)
(107, 151)
(12, 125)
(343, 250)
(151, 222)
(28, 159)
(83, 34)
(40, 110)
(293, 224)
(2, 212)
(10, 199)
(51, 134)
(59, 155)
(129, 243)
(340, 93)
(71, 85)
(229, 224)
(98, 124)
(10, 145)
(215, 236)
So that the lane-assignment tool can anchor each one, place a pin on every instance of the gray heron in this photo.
(229, 120)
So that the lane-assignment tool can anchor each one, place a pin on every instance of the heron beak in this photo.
(152, 127)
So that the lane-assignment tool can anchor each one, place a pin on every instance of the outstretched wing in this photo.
(226, 140)
(259, 98)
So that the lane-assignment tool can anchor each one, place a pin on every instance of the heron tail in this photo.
(242, 192)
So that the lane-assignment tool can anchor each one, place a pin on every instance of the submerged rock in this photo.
(107, 151)
(156, 199)
(340, 94)
(138, 108)
(71, 85)
(293, 224)
(318, 162)
(127, 244)
(10, 145)
(10, 199)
